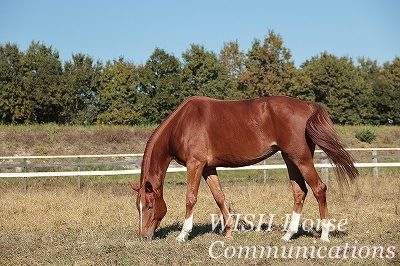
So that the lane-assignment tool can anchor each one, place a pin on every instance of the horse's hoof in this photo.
(286, 238)
(180, 238)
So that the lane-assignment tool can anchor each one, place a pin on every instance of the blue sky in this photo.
(106, 30)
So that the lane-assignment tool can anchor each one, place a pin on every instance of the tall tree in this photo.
(80, 92)
(338, 84)
(203, 74)
(10, 81)
(234, 62)
(388, 95)
(159, 86)
(371, 96)
(117, 94)
(269, 68)
(301, 87)
(41, 87)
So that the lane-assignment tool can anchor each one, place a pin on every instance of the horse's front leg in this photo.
(299, 195)
(214, 184)
(194, 171)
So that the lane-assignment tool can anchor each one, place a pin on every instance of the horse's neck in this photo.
(156, 160)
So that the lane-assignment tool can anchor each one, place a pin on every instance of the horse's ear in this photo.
(149, 187)
(134, 187)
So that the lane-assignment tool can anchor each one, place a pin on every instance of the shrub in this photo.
(366, 136)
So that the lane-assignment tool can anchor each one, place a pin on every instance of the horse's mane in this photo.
(154, 136)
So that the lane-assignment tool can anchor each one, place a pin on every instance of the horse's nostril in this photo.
(145, 238)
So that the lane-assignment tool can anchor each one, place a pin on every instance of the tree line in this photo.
(37, 87)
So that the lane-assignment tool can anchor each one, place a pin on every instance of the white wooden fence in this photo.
(22, 164)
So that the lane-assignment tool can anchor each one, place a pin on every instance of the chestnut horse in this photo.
(203, 134)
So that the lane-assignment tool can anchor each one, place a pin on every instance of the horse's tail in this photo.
(322, 132)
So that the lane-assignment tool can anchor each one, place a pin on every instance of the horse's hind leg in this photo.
(299, 194)
(306, 167)
(214, 184)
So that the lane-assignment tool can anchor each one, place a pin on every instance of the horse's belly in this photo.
(240, 157)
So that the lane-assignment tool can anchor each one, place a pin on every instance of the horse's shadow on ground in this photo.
(198, 230)
(205, 228)
(317, 234)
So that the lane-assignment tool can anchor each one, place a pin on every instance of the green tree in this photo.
(159, 86)
(80, 92)
(269, 69)
(10, 81)
(203, 74)
(373, 85)
(234, 62)
(388, 94)
(301, 87)
(40, 95)
(338, 84)
(117, 94)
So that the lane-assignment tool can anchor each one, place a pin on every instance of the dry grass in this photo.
(386, 136)
(53, 223)
(69, 140)
(57, 224)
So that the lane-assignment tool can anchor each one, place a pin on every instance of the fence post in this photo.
(79, 169)
(25, 178)
(265, 172)
(375, 160)
(325, 170)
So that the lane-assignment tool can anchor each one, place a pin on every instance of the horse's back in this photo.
(234, 132)
(266, 109)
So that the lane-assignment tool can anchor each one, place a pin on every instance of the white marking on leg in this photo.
(293, 226)
(325, 231)
(186, 229)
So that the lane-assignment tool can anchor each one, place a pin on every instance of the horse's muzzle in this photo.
(146, 238)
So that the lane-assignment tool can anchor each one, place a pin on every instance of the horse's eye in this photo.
(150, 207)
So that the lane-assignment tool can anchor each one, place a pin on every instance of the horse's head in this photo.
(151, 207)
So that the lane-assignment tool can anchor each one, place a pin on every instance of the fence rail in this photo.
(17, 166)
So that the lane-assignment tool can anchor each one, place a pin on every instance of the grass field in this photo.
(49, 139)
(53, 223)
